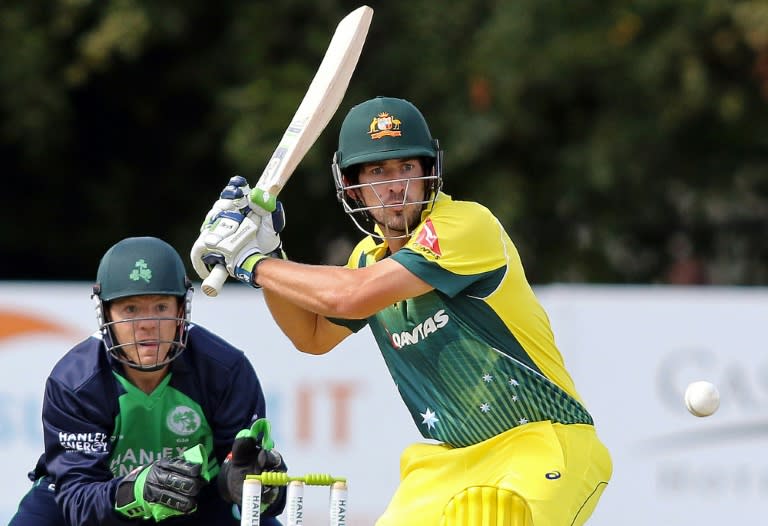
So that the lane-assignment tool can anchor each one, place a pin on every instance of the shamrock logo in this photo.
(142, 271)
(183, 420)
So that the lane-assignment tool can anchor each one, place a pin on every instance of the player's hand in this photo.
(233, 237)
(257, 230)
(165, 488)
(234, 197)
(252, 453)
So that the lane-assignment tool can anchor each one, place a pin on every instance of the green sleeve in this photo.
(352, 325)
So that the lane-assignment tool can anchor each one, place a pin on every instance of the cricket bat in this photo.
(321, 101)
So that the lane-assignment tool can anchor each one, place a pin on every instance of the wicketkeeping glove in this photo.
(252, 453)
(165, 488)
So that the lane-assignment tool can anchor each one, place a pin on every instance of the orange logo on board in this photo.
(17, 324)
(384, 125)
(427, 238)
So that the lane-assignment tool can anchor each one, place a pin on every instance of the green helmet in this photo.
(140, 266)
(383, 128)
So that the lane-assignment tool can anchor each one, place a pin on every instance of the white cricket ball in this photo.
(702, 398)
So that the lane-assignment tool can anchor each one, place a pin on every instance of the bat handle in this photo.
(213, 283)
(264, 199)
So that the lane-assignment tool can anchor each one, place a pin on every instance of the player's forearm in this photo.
(324, 290)
(90, 503)
(296, 322)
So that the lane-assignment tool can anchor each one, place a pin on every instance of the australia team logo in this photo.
(183, 420)
(384, 125)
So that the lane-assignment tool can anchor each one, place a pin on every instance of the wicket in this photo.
(294, 505)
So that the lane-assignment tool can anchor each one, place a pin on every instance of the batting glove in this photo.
(231, 233)
(234, 197)
(233, 237)
(165, 488)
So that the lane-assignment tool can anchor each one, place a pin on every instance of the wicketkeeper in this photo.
(152, 419)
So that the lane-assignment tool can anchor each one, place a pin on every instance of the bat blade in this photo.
(320, 103)
(315, 111)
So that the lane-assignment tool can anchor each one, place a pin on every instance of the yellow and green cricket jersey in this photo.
(475, 356)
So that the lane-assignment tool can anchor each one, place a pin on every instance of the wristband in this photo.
(247, 271)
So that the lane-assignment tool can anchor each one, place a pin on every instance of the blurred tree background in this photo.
(619, 142)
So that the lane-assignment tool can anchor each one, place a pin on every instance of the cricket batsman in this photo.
(442, 288)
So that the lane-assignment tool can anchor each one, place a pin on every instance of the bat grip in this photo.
(213, 283)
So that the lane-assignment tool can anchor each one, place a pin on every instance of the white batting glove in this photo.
(234, 197)
(232, 237)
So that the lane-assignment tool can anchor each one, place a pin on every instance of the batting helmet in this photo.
(383, 128)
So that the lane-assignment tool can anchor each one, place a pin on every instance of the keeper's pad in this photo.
(486, 506)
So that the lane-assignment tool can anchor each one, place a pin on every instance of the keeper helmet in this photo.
(142, 266)
(380, 129)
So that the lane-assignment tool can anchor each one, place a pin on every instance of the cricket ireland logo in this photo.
(183, 420)
(142, 271)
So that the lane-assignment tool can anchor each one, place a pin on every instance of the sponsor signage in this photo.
(631, 350)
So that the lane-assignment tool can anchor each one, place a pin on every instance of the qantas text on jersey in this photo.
(421, 331)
